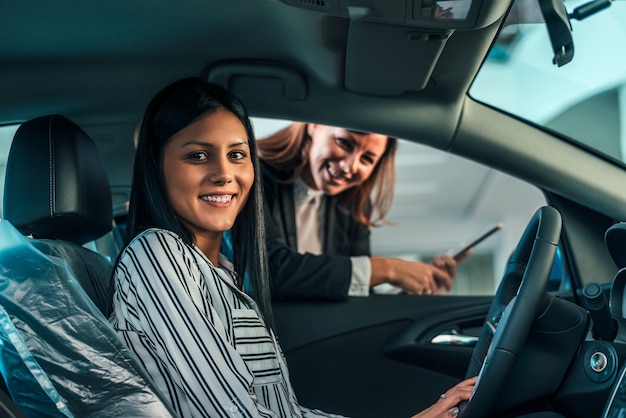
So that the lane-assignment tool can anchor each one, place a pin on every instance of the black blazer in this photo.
(307, 276)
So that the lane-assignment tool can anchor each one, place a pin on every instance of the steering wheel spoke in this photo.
(494, 320)
(515, 305)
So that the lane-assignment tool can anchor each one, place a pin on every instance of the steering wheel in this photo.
(521, 297)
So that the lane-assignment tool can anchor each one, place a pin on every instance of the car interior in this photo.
(56, 293)
(506, 111)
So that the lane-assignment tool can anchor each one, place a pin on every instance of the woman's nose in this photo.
(220, 172)
(350, 164)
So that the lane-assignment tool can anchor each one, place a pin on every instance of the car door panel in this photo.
(372, 357)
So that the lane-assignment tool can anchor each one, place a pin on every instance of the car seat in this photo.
(57, 191)
(59, 356)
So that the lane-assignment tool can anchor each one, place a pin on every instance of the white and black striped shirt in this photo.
(200, 338)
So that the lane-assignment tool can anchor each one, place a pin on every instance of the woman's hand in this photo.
(446, 406)
(415, 277)
(446, 262)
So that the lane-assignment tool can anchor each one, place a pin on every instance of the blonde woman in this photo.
(325, 187)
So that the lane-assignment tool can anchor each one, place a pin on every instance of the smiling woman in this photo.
(180, 305)
(325, 187)
(208, 174)
(439, 201)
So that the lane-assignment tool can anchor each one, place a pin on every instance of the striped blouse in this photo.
(201, 339)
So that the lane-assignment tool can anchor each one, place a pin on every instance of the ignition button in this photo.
(598, 362)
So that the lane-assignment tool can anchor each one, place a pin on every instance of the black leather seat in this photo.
(57, 191)
(58, 352)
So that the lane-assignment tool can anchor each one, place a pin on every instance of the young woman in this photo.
(178, 303)
(325, 187)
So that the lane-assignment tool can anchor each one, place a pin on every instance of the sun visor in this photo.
(373, 67)
(394, 45)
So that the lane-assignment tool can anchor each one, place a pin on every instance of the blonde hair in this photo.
(288, 150)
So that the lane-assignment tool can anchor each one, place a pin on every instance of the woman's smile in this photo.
(336, 174)
(218, 200)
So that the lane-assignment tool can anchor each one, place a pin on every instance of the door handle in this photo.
(453, 337)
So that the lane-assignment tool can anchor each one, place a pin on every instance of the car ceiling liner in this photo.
(418, 29)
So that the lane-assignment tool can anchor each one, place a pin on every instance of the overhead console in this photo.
(435, 14)
(400, 39)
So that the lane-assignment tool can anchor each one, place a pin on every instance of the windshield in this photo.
(584, 99)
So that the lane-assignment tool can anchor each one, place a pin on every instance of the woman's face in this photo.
(340, 159)
(208, 173)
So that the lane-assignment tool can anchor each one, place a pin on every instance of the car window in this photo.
(431, 214)
(442, 200)
(6, 137)
(585, 99)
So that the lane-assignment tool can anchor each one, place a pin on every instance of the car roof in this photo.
(319, 61)
(107, 60)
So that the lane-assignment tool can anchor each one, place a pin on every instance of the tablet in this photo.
(457, 252)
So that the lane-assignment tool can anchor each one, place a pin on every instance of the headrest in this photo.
(56, 185)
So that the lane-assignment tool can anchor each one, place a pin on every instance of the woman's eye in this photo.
(197, 156)
(343, 142)
(368, 160)
(237, 155)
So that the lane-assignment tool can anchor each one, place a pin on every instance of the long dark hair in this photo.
(172, 109)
